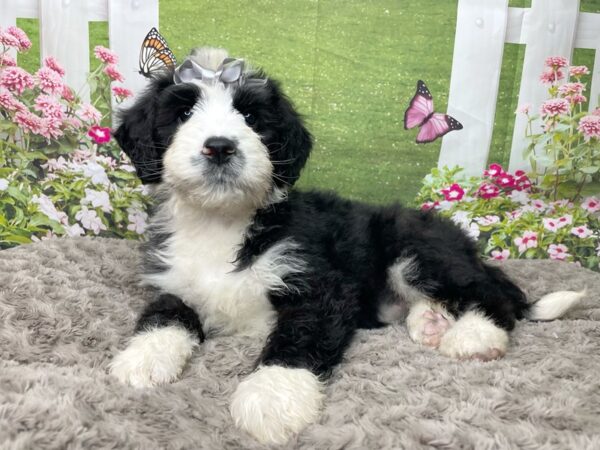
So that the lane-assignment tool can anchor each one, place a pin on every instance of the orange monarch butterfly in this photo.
(155, 54)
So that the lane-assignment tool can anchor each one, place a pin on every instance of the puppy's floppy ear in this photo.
(136, 133)
(294, 145)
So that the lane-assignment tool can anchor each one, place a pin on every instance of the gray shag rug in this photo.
(67, 306)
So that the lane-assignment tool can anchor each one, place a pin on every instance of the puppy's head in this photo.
(216, 143)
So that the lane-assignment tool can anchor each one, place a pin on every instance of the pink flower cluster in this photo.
(16, 38)
(589, 126)
(498, 180)
(554, 107)
(110, 59)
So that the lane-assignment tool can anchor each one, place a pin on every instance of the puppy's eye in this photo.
(185, 115)
(250, 119)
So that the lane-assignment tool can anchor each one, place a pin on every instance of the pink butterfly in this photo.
(420, 113)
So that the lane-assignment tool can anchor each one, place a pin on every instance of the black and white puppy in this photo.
(233, 250)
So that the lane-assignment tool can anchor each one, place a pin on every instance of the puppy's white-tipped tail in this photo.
(555, 305)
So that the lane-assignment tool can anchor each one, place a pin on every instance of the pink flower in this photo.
(582, 231)
(49, 106)
(21, 36)
(591, 204)
(8, 40)
(90, 220)
(16, 79)
(565, 220)
(571, 88)
(105, 55)
(50, 128)
(121, 92)
(49, 81)
(488, 190)
(522, 181)
(96, 172)
(81, 155)
(453, 193)
(100, 135)
(52, 165)
(7, 61)
(551, 76)
(512, 215)
(49, 235)
(51, 63)
(67, 94)
(558, 252)
(576, 99)
(74, 230)
(73, 123)
(578, 71)
(487, 220)
(506, 180)
(596, 112)
(89, 114)
(47, 208)
(137, 220)
(556, 62)
(9, 102)
(500, 255)
(107, 160)
(495, 170)
(521, 197)
(551, 224)
(529, 240)
(590, 126)
(524, 109)
(113, 73)
(98, 199)
(539, 205)
(29, 122)
(554, 107)
(429, 205)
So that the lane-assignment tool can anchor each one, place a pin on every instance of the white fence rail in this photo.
(64, 32)
(548, 28)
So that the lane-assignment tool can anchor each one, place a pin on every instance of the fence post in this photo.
(129, 21)
(64, 34)
(548, 30)
(476, 64)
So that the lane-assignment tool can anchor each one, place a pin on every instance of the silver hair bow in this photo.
(229, 71)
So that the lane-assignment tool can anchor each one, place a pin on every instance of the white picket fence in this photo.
(548, 28)
(64, 32)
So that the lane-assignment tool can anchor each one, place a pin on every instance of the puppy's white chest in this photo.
(200, 256)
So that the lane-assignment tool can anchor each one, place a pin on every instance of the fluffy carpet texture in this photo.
(66, 307)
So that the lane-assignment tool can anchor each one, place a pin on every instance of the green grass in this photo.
(351, 67)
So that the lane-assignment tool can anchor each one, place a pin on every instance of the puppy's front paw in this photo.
(153, 357)
(276, 402)
(474, 336)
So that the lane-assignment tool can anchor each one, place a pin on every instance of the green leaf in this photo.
(590, 169)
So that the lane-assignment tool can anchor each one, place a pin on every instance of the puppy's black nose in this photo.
(218, 149)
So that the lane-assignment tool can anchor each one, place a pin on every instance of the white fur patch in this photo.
(201, 255)
(276, 402)
(555, 305)
(400, 275)
(474, 336)
(153, 357)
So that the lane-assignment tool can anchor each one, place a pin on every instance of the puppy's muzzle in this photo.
(219, 150)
